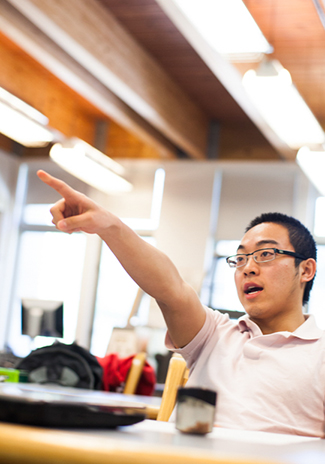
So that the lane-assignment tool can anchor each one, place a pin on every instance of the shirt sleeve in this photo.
(191, 351)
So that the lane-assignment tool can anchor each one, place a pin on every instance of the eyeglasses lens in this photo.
(260, 256)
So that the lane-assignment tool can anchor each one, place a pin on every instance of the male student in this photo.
(269, 367)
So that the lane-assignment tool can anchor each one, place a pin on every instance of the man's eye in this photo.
(239, 259)
(266, 254)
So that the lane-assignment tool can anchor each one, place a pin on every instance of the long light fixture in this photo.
(22, 123)
(313, 165)
(90, 165)
(281, 105)
(228, 27)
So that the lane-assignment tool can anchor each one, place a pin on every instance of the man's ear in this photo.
(307, 269)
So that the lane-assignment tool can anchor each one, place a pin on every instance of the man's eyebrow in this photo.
(261, 243)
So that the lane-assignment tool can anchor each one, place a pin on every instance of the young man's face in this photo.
(278, 288)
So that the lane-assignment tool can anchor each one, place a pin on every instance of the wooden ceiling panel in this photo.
(111, 56)
(292, 27)
(67, 111)
(147, 23)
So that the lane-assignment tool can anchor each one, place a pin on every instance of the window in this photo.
(37, 214)
(116, 293)
(49, 267)
(219, 290)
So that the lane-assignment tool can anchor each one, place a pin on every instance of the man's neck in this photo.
(290, 323)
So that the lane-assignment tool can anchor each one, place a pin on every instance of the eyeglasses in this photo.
(263, 255)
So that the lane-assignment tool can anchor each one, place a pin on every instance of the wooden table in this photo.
(152, 442)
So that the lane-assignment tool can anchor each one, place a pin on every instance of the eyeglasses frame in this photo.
(276, 250)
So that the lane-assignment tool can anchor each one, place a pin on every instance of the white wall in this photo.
(249, 189)
(185, 221)
(185, 217)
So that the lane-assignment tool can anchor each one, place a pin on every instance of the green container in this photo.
(9, 375)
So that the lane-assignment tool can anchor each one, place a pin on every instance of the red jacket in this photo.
(115, 370)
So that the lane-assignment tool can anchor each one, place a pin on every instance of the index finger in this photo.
(61, 187)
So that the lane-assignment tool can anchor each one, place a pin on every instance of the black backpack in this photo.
(66, 365)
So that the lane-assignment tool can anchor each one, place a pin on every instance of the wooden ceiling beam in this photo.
(86, 31)
(25, 35)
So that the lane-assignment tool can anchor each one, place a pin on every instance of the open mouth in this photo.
(252, 289)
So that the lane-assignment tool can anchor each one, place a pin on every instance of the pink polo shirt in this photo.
(272, 383)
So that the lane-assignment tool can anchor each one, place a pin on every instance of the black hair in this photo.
(299, 236)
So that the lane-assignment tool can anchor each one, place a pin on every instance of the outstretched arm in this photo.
(151, 269)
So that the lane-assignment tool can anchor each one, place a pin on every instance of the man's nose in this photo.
(251, 266)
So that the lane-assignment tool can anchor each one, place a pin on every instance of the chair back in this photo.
(174, 379)
(134, 373)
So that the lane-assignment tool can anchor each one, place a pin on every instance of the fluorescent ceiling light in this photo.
(90, 165)
(313, 165)
(227, 26)
(22, 123)
(281, 105)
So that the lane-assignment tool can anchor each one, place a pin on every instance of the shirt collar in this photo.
(246, 325)
(309, 330)
(306, 331)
